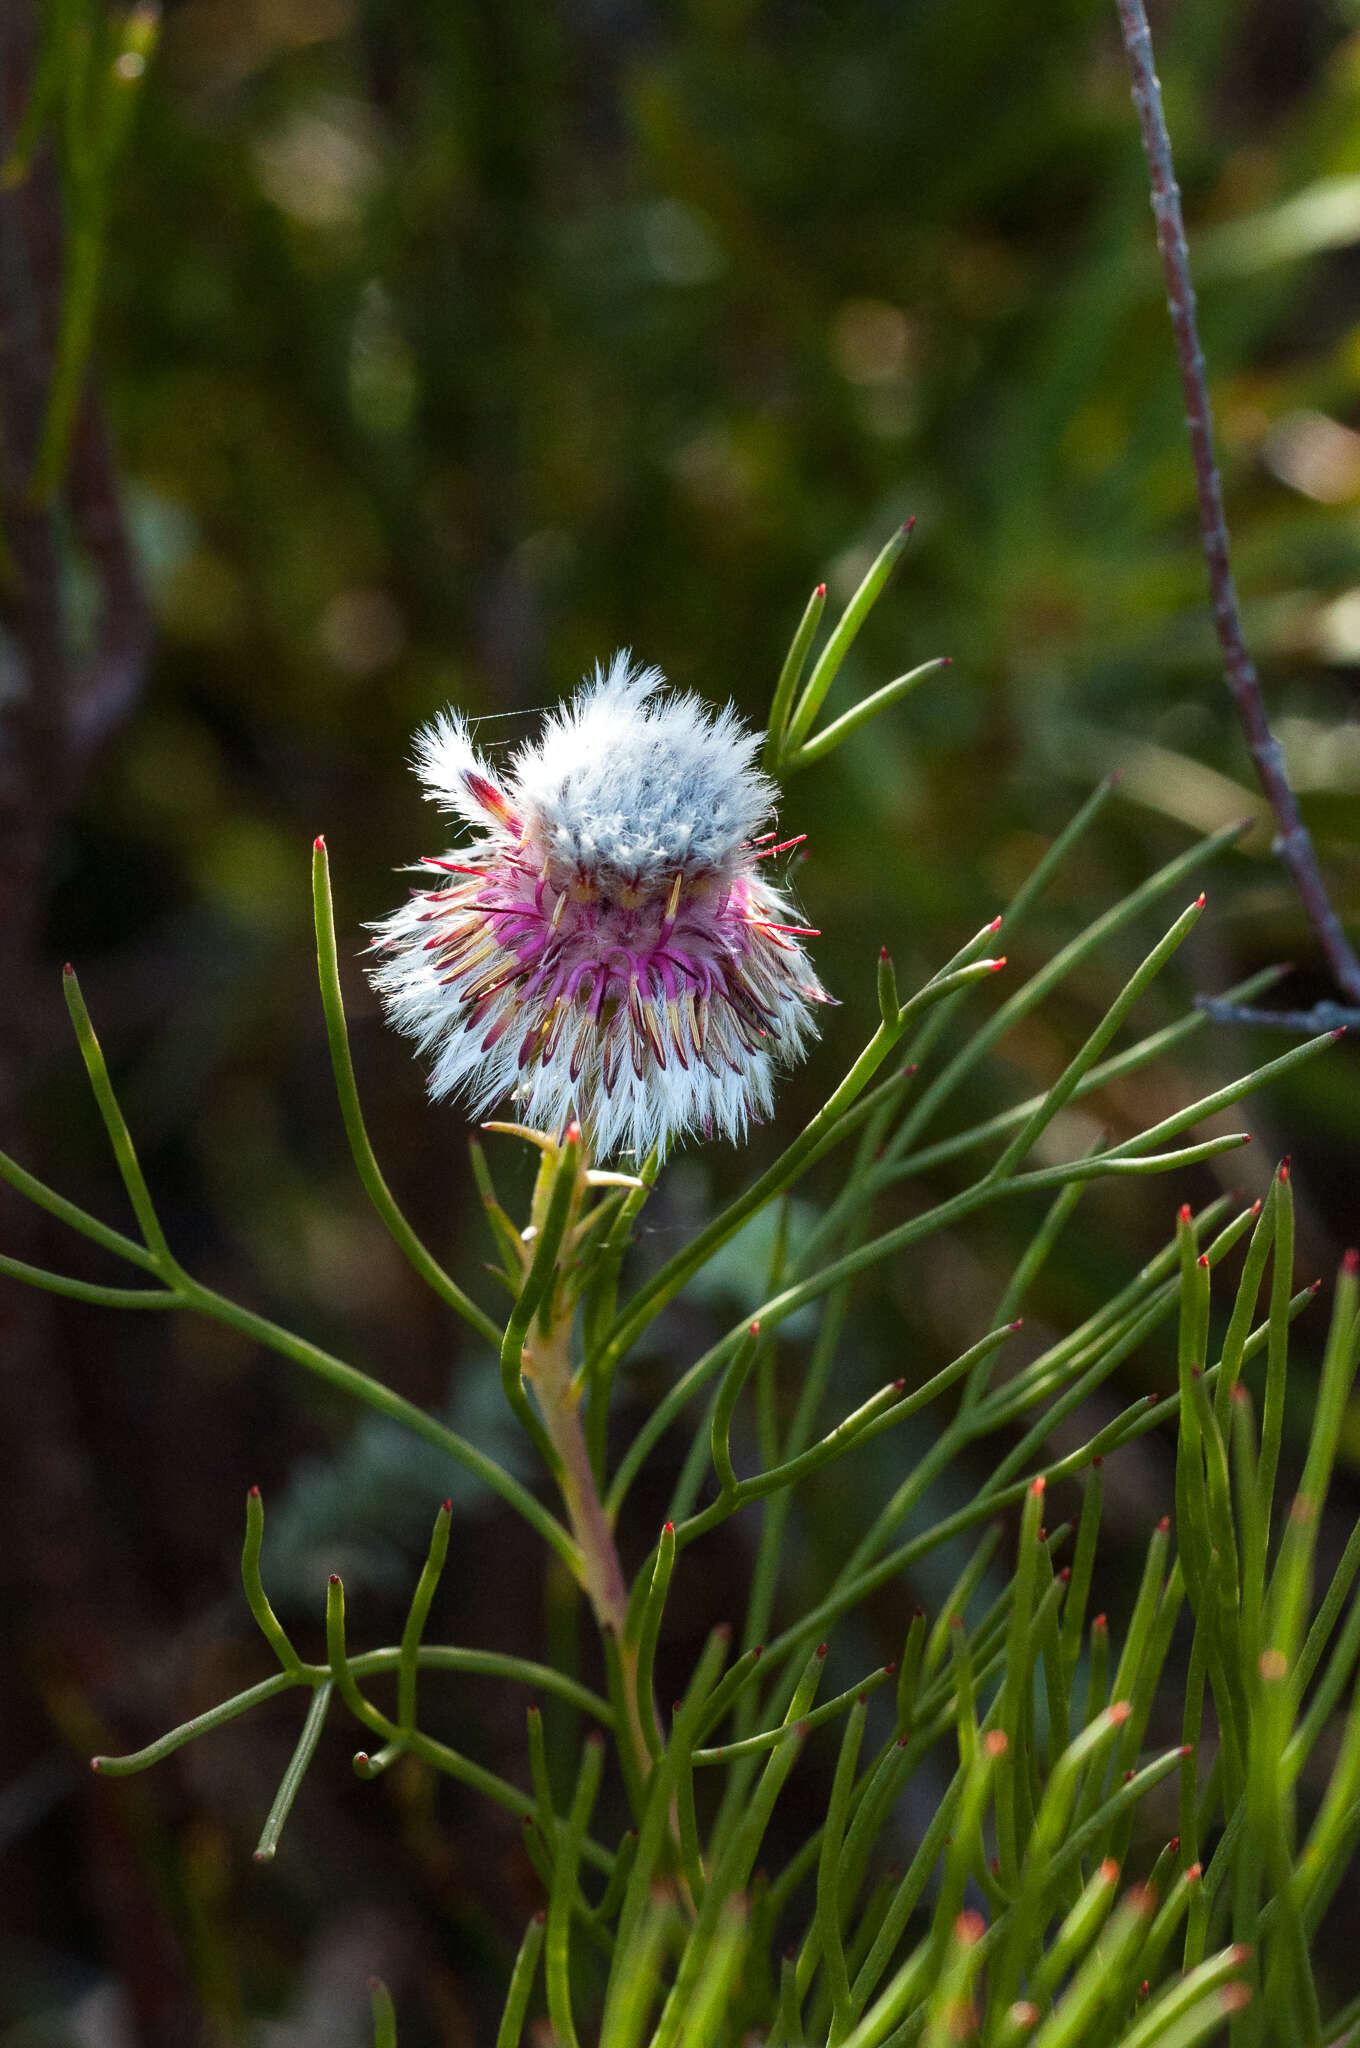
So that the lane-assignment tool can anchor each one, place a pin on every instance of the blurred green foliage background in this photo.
(448, 347)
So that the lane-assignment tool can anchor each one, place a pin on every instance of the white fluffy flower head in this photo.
(607, 946)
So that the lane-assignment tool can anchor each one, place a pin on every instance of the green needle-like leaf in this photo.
(361, 1150)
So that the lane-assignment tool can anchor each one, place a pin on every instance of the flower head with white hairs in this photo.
(607, 947)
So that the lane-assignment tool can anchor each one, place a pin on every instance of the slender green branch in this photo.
(295, 1773)
(366, 1165)
(363, 1387)
(790, 675)
(42, 1197)
(116, 1125)
(650, 1299)
(828, 663)
(830, 737)
(89, 1290)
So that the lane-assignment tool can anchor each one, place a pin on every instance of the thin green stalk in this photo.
(562, 1897)
(42, 1197)
(1065, 1086)
(510, 2033)
(828, 1911)
(790, 675)
(361, 1150)
(830, 737)
(416, 1618)
(650, 1299)
(88, 1290)
(363, 1387)
(1055, 970)
(648, 1634)
(942, 1217)
(384, 2014)
(297, 1770)
(268, 1623)
(1146, 1052)
(828, 662)
(115, 1124)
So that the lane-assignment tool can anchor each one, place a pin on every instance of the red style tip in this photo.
(1315, 1286)
(1151, 1400)
(68, 968)
(908, 524)
(1255, 1209)
(1173, 1845)
(899, 1386)
(1097, 1461)
(1194, 1874)
(1340, 1031)
(1184, 1212)
(1036, 1487)
(723, 1631)
(1285, 1164)
(1128, 1777)
(335, 1578)
(572, 1135)
(1199, 900)
(669, 1529)
(820, 591)
(1350, 1261)
(1165, 1525)
(447, 1507)
(254, 1493)
(1114, 778)
(1066, 1575)
(1187, 1749)
(1018, 1324)
(1102, 1621)
(757, 1653)
(540, 1916)
(946, 661)
(995, 925)
(888, 1669)
(1204, 1260)
(821, 1649)
(755, 1326)
(997, 965)
(882, 952)
(1119, 1712)
(319, 843)
(96, 1763)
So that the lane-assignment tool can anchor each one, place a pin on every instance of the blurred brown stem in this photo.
(1292, 840)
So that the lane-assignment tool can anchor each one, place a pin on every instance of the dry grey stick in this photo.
(1292, 841)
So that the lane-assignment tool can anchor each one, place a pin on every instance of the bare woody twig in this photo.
(1292, 841)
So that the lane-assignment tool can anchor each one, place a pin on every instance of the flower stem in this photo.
(546, 1366)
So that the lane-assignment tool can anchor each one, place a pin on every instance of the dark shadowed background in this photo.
(446, 346)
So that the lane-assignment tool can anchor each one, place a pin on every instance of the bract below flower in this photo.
(607, 946)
